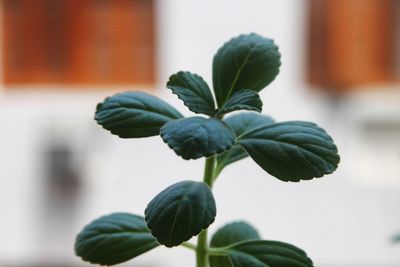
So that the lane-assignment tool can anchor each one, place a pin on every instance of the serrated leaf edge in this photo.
(212, 110)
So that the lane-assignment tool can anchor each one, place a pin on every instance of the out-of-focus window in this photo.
(78, 41)
(353, 43)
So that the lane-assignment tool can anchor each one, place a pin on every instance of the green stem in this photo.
(218, 251)
(202, 247)
(189, 246)
(209, 171)
(201, 251)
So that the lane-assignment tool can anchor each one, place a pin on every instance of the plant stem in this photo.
(201, 251)
(218, 251)
(189, 245)
(209, 171)
(202, 247)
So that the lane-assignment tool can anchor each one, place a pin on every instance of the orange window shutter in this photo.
(79, 42)
(351, 43)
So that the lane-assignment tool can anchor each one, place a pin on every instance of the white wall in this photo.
(340, 220)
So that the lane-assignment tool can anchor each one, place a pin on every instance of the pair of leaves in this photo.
(242, 67)
(175, 215)
(119, 237)
(241, 247)
(196, 95)
(138, 114)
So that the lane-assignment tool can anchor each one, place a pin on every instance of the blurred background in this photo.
(59, 170)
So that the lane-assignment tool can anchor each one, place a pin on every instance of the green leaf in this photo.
(193, 91)
(245, 62)
(180, 211)
(134, 114)
(113, 239)
(228, 235)
(263, 253)
(233, 232)
(241, 123)
(242, 99)
(247, 121)
(197, 137)
(292, 151)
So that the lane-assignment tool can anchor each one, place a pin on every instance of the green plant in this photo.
(290, 151)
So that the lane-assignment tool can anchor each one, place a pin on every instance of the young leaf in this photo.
(292, 151)
(245, 62)
(197, 137)
(241, 123)
(180, 211)
(193, 91)
(263, 253)
(228, 235)
(242, 99)
(134, 114)
(113, 239)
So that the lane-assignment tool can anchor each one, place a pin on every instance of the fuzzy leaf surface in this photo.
(248, 61)
(242, 100)
(114, 239)
(193, 91)
(228, 235)
(134, 114)
(247, 121)
(180, 212)
(292, 151)
(196, 137)
(263, 253)
(241, 123)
